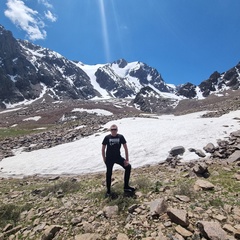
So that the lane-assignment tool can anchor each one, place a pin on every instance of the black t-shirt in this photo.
(113, 144)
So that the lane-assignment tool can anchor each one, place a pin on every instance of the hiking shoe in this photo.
(107, 194)
(129, 189)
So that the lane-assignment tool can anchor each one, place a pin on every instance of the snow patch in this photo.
(36, 118)
(149, 141)
(93, 111)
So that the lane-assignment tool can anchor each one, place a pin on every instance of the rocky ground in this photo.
(57, 123)
(174, 200)
(170, 203)
(197, 200)
(44, 125)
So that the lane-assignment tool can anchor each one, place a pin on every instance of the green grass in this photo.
(66, 187)
(217, 202)
(10, 213)
(185, 187)
(157, 186)
(16, 132)
(118, 197)
(226, 181)
(229, 186)
(13, 132)
(225, 191)
(122, 201)
(144, 184)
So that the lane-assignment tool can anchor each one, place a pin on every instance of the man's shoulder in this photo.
(122, 138)
(107, 136)
(117, 136)
(120, 135)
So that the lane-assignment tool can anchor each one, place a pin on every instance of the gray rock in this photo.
(7, 227)
(12, 230)
(212, 230)
(88, 236)
(237, 234)
(158, 207)
(50, 232)
(183, 198)
(203, 184)
(183, 232)
(178, 216)
(179, 150)
(110, 211)
(122, 236)
(200, 168)
(236, 134)
(200, 153)
(209, 148)
(234, 157)
(132, 208)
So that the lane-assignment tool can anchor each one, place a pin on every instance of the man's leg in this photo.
(126, 174)
(109, 166)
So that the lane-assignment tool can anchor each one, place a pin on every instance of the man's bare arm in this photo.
(126, 154)
(103, 153)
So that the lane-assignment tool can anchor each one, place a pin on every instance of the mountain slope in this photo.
(27, 69)
(29, 72)
(217, 83)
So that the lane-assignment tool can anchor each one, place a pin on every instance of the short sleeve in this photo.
(104, 142)
(123, 140)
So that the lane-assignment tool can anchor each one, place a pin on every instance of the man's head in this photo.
(114, 130)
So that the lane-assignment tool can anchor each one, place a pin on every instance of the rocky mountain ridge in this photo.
(30, 72)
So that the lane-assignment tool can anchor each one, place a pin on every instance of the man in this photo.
(112, 155)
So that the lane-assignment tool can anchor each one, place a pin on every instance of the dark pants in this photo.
(109, 164)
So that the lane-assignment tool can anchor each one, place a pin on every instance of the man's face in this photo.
(114, 130)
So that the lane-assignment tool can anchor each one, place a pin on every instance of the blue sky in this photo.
(185, 40)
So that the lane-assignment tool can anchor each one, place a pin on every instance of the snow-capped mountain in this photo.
(29, 72)
(122, 79)
(215, 84)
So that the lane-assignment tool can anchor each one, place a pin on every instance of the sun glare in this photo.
(104, 30)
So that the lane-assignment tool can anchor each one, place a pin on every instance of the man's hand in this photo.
(126, 163)
(103, 153)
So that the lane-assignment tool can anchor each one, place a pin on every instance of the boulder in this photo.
(158, 207)
(203, 184)
(212, 230)
(179, 150)
(234, 157)
(209, 148)
(110, 211)
(178, 216)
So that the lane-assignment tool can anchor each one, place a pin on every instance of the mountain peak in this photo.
(122, 63)
(29, 72)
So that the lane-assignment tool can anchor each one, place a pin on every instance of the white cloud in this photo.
(50, 16)
(29, 20)
(26, 18)
(45, 3)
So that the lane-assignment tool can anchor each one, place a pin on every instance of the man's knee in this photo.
(109, 173)
(128, 167)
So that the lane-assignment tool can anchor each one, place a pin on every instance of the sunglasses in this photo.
(113, 129)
